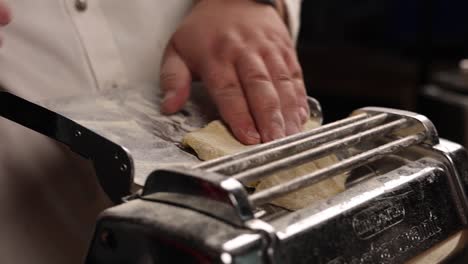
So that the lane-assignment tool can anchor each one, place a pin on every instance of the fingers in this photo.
(298, 80)
(5, 14)
(262, 97)
(225, 89)
(175, 81)
(287, 92)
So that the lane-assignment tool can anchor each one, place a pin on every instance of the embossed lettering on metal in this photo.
(376, 219)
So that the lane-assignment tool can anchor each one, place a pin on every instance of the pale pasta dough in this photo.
(215, 140)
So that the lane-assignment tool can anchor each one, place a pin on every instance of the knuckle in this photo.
(228, 37)
(266, 50)
(228, 44)
(286, 50)
(228, 90)
(257, 77)
(234, 47)
(297, 73)
(273, 36)
(284, 77)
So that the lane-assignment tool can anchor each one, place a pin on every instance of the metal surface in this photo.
(315, 109)
(298, 159)
(150, 232)
(411, 199)
(407, 193)
(358, 160)
(224, 160)
(387, 219)
(420, 123)
(296, 150)
(293, 146)
(113, 164)
(130, 117)
(209, 186)
(456, 157)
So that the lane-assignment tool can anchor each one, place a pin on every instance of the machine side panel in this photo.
(390, 228)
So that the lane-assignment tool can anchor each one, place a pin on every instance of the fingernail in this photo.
(166, 106)
(276, 129)
(303, 114)
(250, 135)
(276, 133)
(168, 95)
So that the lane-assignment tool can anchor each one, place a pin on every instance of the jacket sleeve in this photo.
(293, 9)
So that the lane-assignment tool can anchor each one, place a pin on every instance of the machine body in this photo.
(405, 191)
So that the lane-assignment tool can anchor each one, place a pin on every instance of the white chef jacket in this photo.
(54, 49)
(48, 198)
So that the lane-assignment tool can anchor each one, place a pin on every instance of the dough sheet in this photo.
(215, 141)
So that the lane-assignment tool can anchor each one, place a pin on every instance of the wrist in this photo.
(280, 7)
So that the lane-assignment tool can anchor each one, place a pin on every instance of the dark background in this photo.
(387, 53)
(378, 52)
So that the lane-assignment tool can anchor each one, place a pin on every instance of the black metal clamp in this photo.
(113, 163)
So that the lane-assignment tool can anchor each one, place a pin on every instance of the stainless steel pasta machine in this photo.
(405, 195)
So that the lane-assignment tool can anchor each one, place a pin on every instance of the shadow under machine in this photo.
(404, 198)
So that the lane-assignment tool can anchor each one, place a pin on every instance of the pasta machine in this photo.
(405, 195)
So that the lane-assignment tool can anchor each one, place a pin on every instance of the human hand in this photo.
(5, 17)
(243, 53)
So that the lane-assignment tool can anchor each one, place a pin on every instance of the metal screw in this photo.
(123, 167)
(77, 133)
(116, 157)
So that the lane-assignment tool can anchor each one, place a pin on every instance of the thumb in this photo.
(175, 81)
(5, 14)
